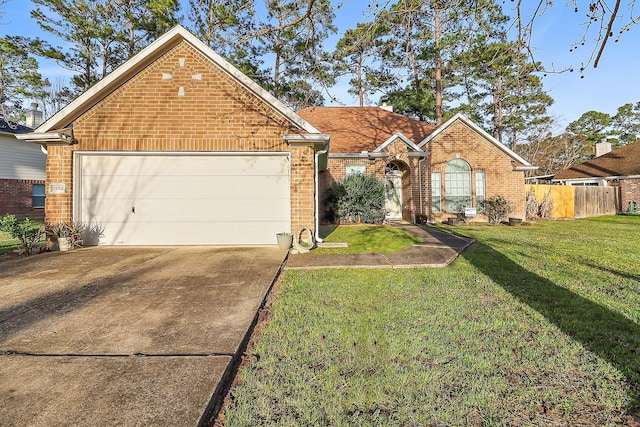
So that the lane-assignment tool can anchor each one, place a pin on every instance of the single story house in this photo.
(22, 171)
(178, 147)
(430, 171)
(614, 168)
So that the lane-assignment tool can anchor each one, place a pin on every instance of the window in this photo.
(355, 170)
(37, 196)
(457, 185)
(436, 192)
(480, 191)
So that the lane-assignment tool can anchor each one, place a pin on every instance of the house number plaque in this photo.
(57, 188)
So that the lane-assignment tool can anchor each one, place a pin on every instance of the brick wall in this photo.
(458, 141)
(629, 191)
(461, 141)
(15, 198)
(216, 114)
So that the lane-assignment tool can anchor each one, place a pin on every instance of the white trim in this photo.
(363, 155)
(182, 153)
(169, 39)
(50, 138)
(479, 130)
(393, 138)
(596, 178)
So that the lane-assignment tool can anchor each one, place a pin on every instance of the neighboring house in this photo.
(22, 173)
(177, 146)
(429, 171)
(618, 168)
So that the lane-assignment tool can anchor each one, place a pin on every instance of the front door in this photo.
(393, 203)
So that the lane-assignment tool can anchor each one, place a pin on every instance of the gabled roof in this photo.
(519, 162)
(357, 129)
(142, 59)
(397, 136)
(623, 161)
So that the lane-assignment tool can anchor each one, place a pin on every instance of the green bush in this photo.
(357, 198)
(27, 232)
(497, 208)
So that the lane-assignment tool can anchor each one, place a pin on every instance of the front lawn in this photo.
(8, 243)
(536, 325)
(368, 239)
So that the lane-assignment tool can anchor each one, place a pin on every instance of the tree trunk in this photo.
(438, 70)
(497, 109)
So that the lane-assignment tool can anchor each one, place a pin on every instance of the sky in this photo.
(614, 83)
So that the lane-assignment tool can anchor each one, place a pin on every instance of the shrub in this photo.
(27, 232)
(540, 210)
(357, 198)
(497, 208)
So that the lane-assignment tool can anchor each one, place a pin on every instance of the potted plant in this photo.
(66, 235)
(59, 235)
(284, 240)
(75, 230)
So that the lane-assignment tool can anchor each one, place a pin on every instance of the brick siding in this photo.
(216, 114)
(461, 141)
(629, 192)
(15, 198)
(458, 141)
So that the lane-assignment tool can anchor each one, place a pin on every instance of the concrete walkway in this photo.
(437, 249)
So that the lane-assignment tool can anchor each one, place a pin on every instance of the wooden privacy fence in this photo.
(571, 201)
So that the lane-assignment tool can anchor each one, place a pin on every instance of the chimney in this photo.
(384, 104)
(603, 147)
(34, 116)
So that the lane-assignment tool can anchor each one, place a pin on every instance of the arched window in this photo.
(457, 185)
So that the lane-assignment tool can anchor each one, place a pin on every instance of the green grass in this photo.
(8, 243)
(533, 325)
(367, 239)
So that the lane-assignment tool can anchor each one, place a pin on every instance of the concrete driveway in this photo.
(124, 336)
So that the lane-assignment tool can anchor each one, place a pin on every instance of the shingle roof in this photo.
(357, 129)
(623, 161)
(13, 128)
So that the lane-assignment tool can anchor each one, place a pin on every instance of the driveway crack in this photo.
(114, 355)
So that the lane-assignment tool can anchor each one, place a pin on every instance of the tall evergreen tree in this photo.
(19, 78)
(101, 33)
(293, 33)
(357, 54)
(626, 123)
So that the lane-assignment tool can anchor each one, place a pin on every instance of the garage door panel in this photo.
(157, 210)
(194, 233)
(204, 165)
(185, 186)
(186, 199)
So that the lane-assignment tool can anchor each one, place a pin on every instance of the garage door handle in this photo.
(133, 209)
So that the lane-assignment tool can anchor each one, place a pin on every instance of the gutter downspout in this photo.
(420, 182)
(316, 190)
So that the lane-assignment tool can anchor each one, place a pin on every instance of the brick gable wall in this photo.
(461, 141)
(216, 114)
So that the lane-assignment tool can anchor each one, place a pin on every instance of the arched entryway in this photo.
(393, 176)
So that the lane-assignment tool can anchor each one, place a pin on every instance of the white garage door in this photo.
(177, 199)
